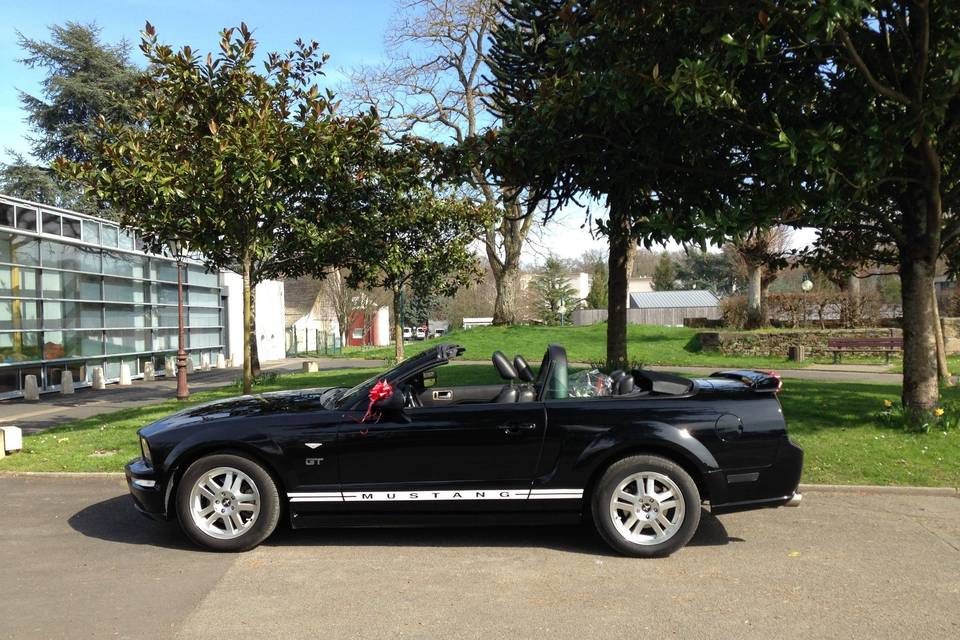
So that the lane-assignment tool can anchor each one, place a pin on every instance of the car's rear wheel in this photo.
(646, 506)
(227, 502)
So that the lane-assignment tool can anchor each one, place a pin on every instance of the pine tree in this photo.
(665, 275)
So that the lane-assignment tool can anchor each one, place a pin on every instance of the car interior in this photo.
(551, 381)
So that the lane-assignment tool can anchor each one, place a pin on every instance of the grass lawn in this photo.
(647, 344)
(832, 421)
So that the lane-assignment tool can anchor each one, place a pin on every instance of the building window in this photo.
(110, 235)
(19, 346)
(27, 219)
(6, 214)
(91, 232)
(19, 249)
(56, 255)
(18, 282)
(72, 315)
(71, 228)
(357, 334)
(115, 290)
(70, 286)
(18, 314)
(121, 264)
(51, 223)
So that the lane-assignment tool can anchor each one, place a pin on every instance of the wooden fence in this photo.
(667, 317)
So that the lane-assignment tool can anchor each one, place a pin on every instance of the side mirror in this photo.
(429, 379)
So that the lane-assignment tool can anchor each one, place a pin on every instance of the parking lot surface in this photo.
(76, 561)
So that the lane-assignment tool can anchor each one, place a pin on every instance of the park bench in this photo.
(886, 346)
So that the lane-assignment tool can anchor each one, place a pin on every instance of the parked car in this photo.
(638, 462)
(439, 332)
(420, 333)
(407, 333)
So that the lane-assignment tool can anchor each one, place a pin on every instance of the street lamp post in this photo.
(178, 249)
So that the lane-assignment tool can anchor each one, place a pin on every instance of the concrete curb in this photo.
(864, 489)
(869, 489)
(62, 474)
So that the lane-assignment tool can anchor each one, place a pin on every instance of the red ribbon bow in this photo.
(380, 391)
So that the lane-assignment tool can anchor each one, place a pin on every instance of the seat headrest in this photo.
(625, 385)
(523, 369)
(503, 366)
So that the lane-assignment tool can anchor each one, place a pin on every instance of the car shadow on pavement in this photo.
(116, 520)
(569, 538)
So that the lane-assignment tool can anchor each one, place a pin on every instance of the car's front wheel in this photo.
(227, 502)
(646, 506)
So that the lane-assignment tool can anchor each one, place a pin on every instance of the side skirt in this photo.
(406, 520)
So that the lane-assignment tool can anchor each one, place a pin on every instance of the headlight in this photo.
(145, 450)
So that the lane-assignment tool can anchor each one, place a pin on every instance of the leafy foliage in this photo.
(251, 169)
(597, 296)
(553, 292)
(665, 274)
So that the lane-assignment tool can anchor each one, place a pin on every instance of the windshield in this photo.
(352, 396)
(431, 357)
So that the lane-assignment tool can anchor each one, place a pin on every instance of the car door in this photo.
(476, 457)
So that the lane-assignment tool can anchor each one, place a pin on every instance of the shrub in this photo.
(733, 310)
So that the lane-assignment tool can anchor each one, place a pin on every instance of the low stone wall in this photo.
(775, 343)
(951, 335)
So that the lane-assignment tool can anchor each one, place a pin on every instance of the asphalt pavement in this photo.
(76, 561)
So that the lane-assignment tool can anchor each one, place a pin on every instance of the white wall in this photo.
(382, 331)
(270, 318)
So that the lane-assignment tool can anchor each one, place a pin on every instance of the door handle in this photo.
(515, 428)
(443, 395)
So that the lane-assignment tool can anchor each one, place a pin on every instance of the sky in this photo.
(351, 31)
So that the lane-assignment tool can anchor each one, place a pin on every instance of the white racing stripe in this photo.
(440, 495)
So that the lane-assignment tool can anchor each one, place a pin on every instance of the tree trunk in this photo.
(512, 229)
(854, 301)
(618, 281)
(754, 297)
(920, 389)
(507, 281)
(397, 326)
(247, 326)
(254, 349)
(943, 370)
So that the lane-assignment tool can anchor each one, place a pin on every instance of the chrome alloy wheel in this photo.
(224, 503)
(647, 508)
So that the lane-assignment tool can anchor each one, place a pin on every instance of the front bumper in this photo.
(146, 489)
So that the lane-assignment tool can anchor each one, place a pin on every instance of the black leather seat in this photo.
(528, 392)
(509, 393)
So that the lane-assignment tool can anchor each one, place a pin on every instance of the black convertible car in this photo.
(637, 453)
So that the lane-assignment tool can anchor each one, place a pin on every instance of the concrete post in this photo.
(98, 380)
(11, 439)
(190, 366)
(221, 361)
(148, 375)
(125, 375)
(311, 367)
(3, 446)
(204, 362)
(30, 389)
(66, 383)
(170, 367)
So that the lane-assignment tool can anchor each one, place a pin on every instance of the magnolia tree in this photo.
(244, 165)
(406, 237)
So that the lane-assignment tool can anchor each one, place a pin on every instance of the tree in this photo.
(597, 295)
(709, 270)
(874, 137)
(405, 237)
(576, 88)
(553, 292)
(762, 254)
(85, 79)
(665, 274)
(434, 87)
(252, 169)
(22, 179)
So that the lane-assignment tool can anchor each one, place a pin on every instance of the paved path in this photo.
(76, 561)
(53, 409)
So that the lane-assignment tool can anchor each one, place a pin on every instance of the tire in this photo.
(640, 523)
(227, 502)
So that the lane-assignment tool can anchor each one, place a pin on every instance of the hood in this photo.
(242, 406)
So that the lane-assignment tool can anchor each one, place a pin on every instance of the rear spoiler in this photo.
(761, 381)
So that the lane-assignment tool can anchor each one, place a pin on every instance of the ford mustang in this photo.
(637, 453)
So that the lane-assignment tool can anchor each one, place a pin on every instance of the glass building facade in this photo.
(78, 292)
